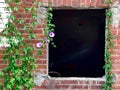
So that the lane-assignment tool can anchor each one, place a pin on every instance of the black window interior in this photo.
(80, 41)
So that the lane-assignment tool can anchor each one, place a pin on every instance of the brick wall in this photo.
(44, 82)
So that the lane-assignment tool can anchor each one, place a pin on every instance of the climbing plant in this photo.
(108, 51)
(21, 63)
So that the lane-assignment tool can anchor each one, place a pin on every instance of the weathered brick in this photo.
(43, 61)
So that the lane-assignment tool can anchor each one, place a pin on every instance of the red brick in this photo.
(42, 62)
(68, 2)
(77, 87)
(1, 62)
(42, 59)
(96, 87)
(87, 3)
(2, 66)
(60, 3)
(75, 3)
(82, 3)
(55, 81)
(42, 66)
(40, 56)
(64, 2)
(69, 82)
(55, 3)
(61, 86)
(94, 3)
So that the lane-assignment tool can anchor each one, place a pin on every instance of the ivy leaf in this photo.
(21, 21)
(34, 8)
(12, 17)
(34, 16)
(1, 73)
(111, 1)
(9, 8)
(25, 27)
(24, 51)
(40, 52)
(10, 1)
(50, 9)
(5, 32)
(27, 9)
(15, 9)
(18, 87)
(53, 44)
(34, 66)
(109, 14)
(18, 78)
(27, 85)
(1, 86)
(32, 36)
(12, 81)
(8, 86)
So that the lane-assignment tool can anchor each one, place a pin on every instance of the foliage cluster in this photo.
(21, 63)
(108, 51)
(19, 72)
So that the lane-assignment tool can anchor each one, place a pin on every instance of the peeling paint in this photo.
(38, 79)
(115, 8)
(4, 13)
(42, 11)
(115, 78)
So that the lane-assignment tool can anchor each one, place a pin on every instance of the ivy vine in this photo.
(21, 63)
(19, 74)
(108, 51)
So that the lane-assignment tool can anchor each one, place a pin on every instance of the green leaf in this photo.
(25, 27)
(53, 44)
(111, 1)
(109, 14)
(5, 32)
(15, 9)
(8, 86)
(18, 78)
(1, 73)
(14, 55)
(50, 9)
(21, 21)
(18, 87)
(40, 52)
(9, 8)
(34, 8)
(10, 1)
(41, 3)
(32, 36)
(1, 86)
(34, 16)
(28, 9)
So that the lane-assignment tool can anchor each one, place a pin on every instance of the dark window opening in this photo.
(80, 41)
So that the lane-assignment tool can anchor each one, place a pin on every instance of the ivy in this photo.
(19, 74)
(108, 51)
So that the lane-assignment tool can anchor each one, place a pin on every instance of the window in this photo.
(80, 41)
